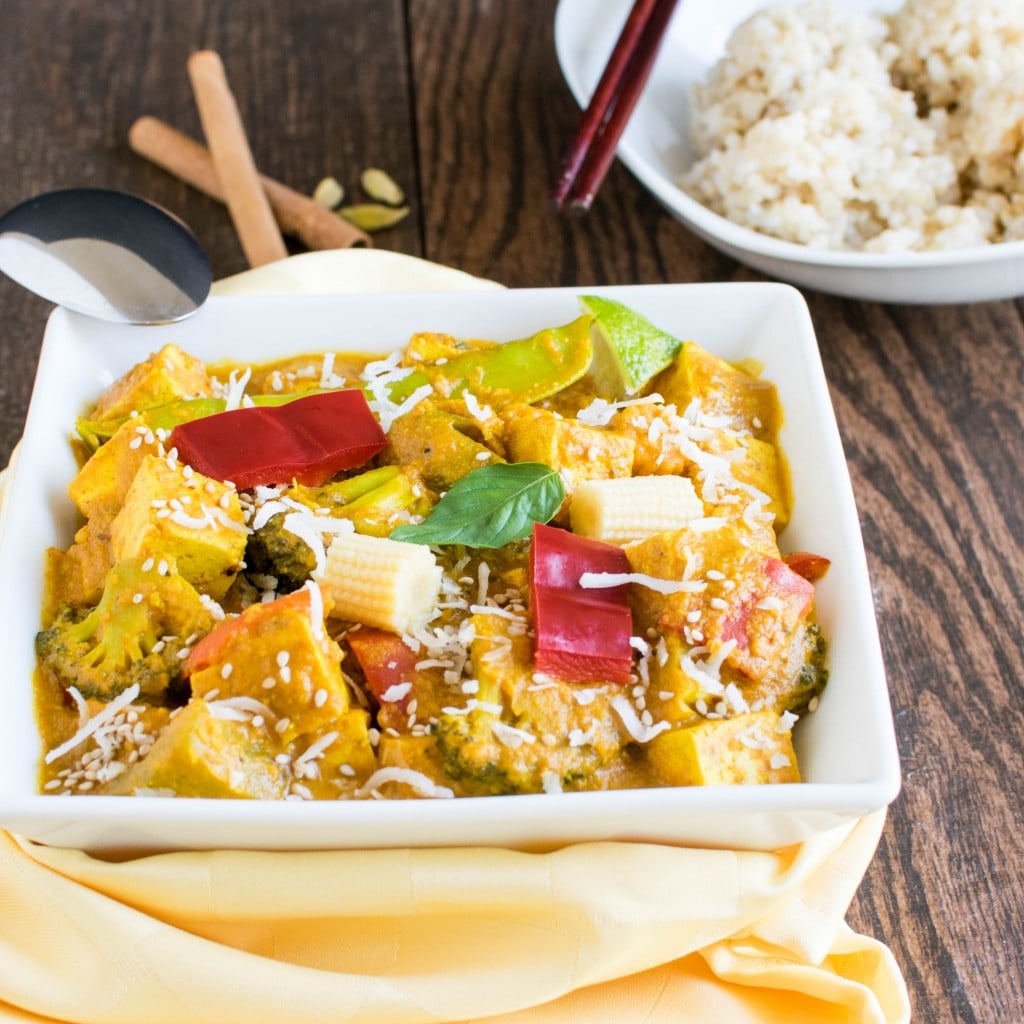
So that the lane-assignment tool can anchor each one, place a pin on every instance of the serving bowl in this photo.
(657, 149)
(846, 748)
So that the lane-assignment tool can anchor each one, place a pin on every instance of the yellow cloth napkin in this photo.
(598, 932)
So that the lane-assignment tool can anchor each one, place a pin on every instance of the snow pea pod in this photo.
(525, 370)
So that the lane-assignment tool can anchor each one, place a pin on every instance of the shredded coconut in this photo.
(407, 776)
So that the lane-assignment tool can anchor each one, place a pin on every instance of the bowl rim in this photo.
(49, 818)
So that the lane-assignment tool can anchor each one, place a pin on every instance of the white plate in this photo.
(847, 749)
(656, 148)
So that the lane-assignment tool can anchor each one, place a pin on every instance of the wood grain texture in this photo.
(492, 119)
(462, 101)
(930, 405)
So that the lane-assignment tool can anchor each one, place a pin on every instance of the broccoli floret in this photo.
(813, 675)
(275, 551)
(370, 500)
(135, 634)
(473, 756)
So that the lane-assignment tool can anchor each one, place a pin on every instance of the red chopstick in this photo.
(592, 149)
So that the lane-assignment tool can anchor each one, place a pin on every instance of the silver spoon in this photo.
(106, 254)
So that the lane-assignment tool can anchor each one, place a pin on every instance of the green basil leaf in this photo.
(490, 507)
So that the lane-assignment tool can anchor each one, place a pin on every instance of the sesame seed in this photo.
(320, 697)
(147, 565)
(226, 669)
(282, 724)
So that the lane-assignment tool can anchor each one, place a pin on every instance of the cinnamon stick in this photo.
(189, 160)
(236, 170)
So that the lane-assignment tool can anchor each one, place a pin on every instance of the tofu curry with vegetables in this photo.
(465, 569)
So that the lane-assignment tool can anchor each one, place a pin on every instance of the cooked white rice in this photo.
(842, 131)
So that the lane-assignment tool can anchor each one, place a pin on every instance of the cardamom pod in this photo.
(373, 216)
(329, 192)
(379, 185)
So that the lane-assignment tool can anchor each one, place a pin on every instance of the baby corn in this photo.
(381, 582)
(626, 509)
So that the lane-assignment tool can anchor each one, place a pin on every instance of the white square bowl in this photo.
(847, 748)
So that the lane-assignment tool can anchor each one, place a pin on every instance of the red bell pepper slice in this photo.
(582, 635)
(308, 440)
(793, 592)
(812, 567)
(581, 641)
(386, 661)
(558, 558)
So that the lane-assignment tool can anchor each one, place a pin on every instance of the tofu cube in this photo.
(745, 750)
(723, 389)
(576, 451)
(275, 654)
(167, 376)
(653, 429)
(203, 753)
(171, 512)
(102, 483)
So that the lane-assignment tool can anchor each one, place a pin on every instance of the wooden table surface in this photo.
(463, 103)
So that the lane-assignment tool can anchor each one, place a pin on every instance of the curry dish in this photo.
(465, 569)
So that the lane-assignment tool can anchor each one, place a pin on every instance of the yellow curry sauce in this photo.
(192, 643)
